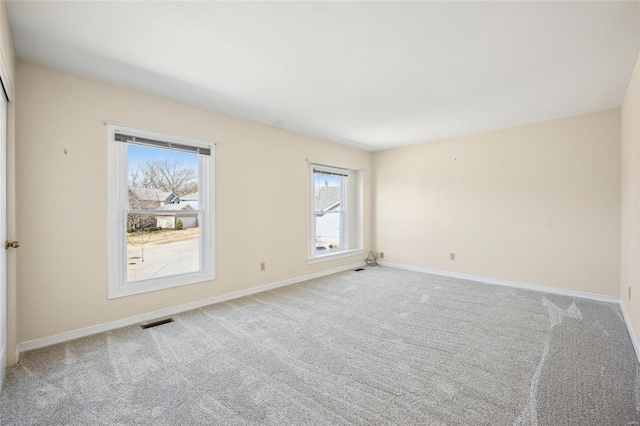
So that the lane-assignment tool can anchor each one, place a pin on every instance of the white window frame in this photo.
(117, 200)
(351, 243)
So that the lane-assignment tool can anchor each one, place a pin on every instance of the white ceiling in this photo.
(373, 75)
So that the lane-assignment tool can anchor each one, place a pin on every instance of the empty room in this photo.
(319, 213)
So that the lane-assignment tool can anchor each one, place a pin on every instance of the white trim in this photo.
(351, 218)
(632, 335)
(333, 256)
(150, 316)
(6, 82)
(117, 178)
(335, 166)
(142, 132)
(487, 280)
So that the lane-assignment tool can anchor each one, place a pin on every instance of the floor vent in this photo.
(359, 269)
(157, 323)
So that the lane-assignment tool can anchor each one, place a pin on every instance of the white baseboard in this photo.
(532, 287)
(150, 316)
(487, 280)
(632, 334)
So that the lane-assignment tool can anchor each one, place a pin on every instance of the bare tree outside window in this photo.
(140, 221)
(168, 175)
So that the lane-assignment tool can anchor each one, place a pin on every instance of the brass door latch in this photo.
(13, 244)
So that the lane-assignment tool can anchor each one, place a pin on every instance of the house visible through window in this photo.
(336, 212)
(161, 211)
(329, 209)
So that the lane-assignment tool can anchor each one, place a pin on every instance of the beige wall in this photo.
(630, 265)
(262, 199)
(538, 204)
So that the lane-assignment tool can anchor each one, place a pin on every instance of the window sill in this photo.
(146, 286)
(333, 256)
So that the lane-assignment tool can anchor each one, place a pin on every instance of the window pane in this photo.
(328, 231)
(160, 177)
(329, 207)
(328, 192)
(163, 244)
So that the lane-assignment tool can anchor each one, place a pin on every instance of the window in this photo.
(161, 211)
(336, 212)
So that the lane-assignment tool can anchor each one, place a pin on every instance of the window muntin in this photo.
(157, 185)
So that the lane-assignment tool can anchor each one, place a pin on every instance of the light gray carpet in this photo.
(381, 346)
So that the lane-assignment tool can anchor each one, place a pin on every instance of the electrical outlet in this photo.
(452, 256)
(376, 254)
(629, 292)
(263, 266)
(381, 255)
